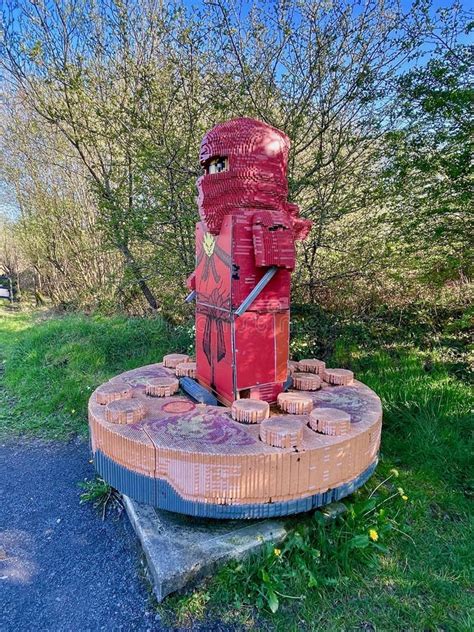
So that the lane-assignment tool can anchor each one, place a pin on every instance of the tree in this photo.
(324, 73)
(57, 229)
(12, 263)
(430, 156)
(131, 87)
(75, 65)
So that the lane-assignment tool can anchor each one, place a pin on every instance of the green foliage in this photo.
(103, 497)
(101, 150)
(52, 364)
(429, 170)
(442, 330)
(318, 553)
(94, 491)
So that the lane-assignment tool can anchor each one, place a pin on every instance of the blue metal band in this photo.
(158, 492)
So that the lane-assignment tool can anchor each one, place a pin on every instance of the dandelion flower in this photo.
(400, 491)
(373, 535)
(277, 552)
(73, 411)
(394, 472)
(405, 497)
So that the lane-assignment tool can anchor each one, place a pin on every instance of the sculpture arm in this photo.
(191, 281)
(273, 240)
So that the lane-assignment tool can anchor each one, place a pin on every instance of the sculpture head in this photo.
(245, 163)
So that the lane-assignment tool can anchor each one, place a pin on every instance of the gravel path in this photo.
(61, 567)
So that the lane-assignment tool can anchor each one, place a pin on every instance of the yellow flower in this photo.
(277, 552)
(373, 535)
(404, 497)
(395, 473)
(73, 411)
(400, 491)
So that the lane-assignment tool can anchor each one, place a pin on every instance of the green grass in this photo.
(416, 576)
(52, 363)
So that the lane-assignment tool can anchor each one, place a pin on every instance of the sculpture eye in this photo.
(217, 165)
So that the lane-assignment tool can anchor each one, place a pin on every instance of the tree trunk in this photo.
(39, 300)
(11, 289)
(18, 288)
(135, 268)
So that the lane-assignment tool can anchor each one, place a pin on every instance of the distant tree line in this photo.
(104, 104)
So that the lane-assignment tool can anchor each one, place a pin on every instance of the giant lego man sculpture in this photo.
(158, 436)
(245, 253)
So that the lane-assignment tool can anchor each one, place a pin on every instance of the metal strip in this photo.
(264, 281)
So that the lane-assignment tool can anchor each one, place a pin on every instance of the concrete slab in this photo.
(180, 550)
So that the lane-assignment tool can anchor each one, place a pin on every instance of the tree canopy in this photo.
(104, 103)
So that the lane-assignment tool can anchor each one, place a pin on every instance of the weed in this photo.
(319, 553)
(101, 495)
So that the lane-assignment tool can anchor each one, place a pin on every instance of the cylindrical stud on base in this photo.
(311, 365)
(124, 411)
(282, 432)
(171, 360)
(292, 367)
(338, 377)
(186, 369)
(295, 403)
(112, 391)
(306, 381)
(250, 411)
(330, 421)
(162, 386)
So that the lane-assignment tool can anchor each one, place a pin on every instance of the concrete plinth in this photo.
(180, 550)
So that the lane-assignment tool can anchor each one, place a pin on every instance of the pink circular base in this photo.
(205, 456)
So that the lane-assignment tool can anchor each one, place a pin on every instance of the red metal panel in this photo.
(254, 349)
(213, 266)
(273, 240)
(266, 392)
(282, 341)
(214, 355)
(245, 275)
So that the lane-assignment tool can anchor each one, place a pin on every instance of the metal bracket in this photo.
(267, 277)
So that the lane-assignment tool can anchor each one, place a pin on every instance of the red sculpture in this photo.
(159, 437)
(245, 253)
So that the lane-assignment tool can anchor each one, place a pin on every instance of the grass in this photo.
(414, 574)
(102, 496)
(52, 363)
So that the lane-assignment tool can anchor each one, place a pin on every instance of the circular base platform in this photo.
(196, 459)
